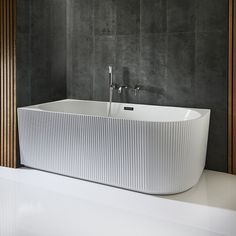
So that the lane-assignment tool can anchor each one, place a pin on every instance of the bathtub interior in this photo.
(122, 110)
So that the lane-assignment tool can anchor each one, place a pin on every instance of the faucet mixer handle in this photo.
(110, 69)
(120, 88)
(136, 89)
(110, 75)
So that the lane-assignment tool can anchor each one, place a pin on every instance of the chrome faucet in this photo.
(110, 76)
(136, 89)
(121, 88)
(111, 87)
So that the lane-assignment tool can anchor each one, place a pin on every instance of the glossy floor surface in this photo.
(35, 203)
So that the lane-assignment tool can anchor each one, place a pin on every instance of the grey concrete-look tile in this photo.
(80, 48)
(48, 50)
(211, 92)
(217, 143)
(41, 84)
(58, 66)
(181, 16)
(81, 17)
(153, 16)
(57, 47)
(81, 74)
(211, 69)
(57, 17)
(153, 67)
(127, 59)
(127, 17)
(180, 68)
(151, 95)
(40, 18)
(69, 47)
(104, 17)
(212, 15)
(127, 64)
(23, 16)
(104, 56)
(23, 82)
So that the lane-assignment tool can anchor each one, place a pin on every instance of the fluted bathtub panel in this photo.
(151, 157)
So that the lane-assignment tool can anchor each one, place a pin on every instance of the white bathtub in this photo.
(151, 149)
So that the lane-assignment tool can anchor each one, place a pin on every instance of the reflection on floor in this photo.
(36, 203)
(215, 189)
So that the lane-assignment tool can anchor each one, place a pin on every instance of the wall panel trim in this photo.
(8, 83)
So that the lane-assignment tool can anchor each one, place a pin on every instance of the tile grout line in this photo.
(93, 52)
(29, 53)
(195, 48)
(66, 56)
(167, 46)
(140, 47)
(115, 43)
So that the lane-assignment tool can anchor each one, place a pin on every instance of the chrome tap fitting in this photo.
(121, 88)
(136, 89)
(110, 76)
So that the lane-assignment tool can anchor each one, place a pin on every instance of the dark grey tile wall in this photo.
(181, 15)
(22, 53)
(175, 49)
(127, 17)
(80, 31)
(153, 16)
(41, 51)
(104, 50)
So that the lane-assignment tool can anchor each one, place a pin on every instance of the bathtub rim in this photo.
(202, 111)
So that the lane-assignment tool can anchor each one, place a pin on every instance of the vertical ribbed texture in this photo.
(152, 157)
(7, 85)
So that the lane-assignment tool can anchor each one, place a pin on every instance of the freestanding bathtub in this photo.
(150, 149)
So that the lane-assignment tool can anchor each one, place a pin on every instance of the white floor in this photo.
(35, 203)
